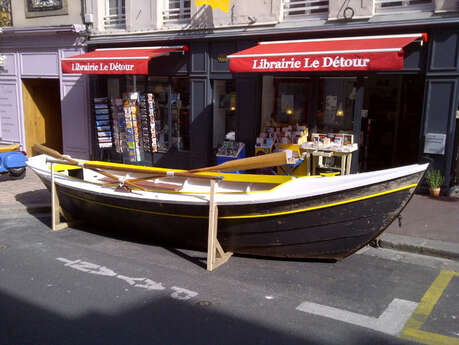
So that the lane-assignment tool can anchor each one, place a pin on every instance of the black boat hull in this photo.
(330, 226)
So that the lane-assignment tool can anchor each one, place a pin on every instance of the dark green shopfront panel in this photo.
(201, 122)
(440, 117)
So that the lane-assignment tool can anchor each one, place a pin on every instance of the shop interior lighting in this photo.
(339, 111)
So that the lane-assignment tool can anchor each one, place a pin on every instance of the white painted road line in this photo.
(391, 321)
(144, 283)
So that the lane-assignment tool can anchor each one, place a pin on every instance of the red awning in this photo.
(116, 60)
(365, 53)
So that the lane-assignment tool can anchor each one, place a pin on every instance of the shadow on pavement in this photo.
(162, 321)
(33, 198)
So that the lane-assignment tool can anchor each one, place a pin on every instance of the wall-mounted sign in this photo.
(41, 8)
(435, 143)
(354, 53)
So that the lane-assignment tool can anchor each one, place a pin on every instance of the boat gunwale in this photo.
(199, 200)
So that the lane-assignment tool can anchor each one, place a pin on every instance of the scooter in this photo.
(12, 161)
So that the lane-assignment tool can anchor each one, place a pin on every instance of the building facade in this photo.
(397, 117)
(39, 104)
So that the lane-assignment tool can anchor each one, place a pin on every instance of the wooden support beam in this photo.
(216, 256)
(56, 210)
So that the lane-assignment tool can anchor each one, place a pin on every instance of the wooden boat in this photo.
(264, 215)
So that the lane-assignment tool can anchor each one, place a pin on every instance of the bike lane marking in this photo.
(412, 329)
(138, 282)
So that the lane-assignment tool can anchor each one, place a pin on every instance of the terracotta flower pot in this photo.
(434, 192)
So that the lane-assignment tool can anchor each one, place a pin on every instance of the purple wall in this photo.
(38, 55)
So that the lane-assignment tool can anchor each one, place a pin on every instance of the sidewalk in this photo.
(428, 226)
(28, 193)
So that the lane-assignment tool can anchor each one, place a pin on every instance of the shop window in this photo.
(336, 105)
(138, 116)
(224, 110)
(177, 11)
(383, 6)
(290, 105)
(300, 8)
(115, 15)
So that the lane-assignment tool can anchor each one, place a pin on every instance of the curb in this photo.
(422, 246)
(10, 210)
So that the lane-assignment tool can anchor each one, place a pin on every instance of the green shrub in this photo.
(434, 178)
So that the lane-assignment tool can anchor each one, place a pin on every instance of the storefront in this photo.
(330, 86)
(389, 107)
(39, 104)
(140, 102)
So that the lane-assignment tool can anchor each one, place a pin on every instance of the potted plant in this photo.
(434, 180)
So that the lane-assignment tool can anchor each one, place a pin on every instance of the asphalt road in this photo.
(83, 287)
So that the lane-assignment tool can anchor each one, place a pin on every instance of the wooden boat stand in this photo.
(216, 256)
(56, 210)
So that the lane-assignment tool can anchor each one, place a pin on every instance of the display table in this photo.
(318, 151)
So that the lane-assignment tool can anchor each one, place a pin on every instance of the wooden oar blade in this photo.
(257, 162)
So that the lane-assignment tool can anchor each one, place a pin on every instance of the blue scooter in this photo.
(12, 161)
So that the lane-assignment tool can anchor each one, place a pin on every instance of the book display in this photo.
(119, 123)
(103, 122)
(339, 142)
(231, 149)
(129, 125)
(331, 152)
(272, 138)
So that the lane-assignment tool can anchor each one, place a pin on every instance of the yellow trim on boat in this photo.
(322, 206)
(250, 178)
(62, 167)
(9, 148)
(248, 216)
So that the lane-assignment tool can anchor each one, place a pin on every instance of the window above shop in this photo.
(115, 15)
(304, 9)
(393, 6)
(176, 11)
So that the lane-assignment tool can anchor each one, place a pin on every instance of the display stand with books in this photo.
(230, 150)
(324, 148)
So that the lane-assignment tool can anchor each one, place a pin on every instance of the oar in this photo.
(257, 162)
(70, 160)
(133, 169)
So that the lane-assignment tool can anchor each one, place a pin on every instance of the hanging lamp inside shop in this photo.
(340, 111)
